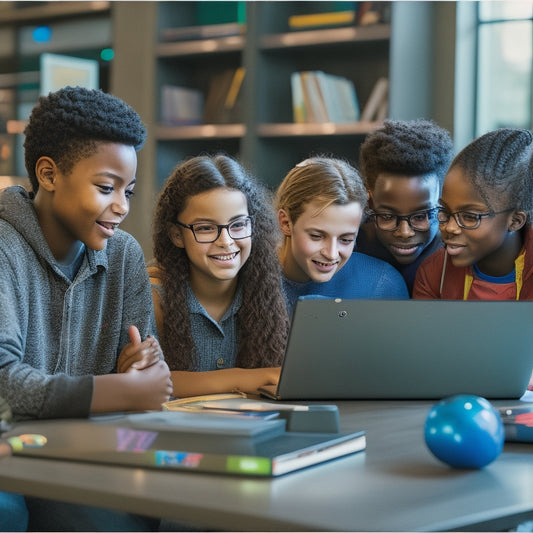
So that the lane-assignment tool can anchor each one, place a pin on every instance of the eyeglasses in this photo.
(205, 232)
(466, 219)
(419, 221)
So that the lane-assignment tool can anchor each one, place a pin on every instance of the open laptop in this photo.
(406, 349)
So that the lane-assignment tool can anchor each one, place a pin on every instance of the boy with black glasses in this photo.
(403, 165)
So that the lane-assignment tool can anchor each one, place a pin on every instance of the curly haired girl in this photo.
(216, 283)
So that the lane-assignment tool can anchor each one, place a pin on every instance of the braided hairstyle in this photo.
(68, 125)
(263, 319)
(408, 148)
(499, 165)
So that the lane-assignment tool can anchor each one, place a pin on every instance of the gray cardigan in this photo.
(55, 335)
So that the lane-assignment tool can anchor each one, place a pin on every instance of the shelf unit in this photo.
(266, 139)
(416, 52)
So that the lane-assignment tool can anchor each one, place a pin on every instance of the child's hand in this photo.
(152, 386)
(139, 354)
(251, 380)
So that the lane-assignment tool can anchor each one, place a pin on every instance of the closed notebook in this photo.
(185, 442)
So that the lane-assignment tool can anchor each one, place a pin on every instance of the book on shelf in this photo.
(377, 103)
(207, 31)
(183, 441)
(181, 105)
(223, 100)
(321, 97)
(315, 105)
(317, 20)
(517, 422)
(211, 20)
(299, 114)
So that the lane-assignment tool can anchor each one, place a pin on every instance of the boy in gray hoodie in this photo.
(74, 291)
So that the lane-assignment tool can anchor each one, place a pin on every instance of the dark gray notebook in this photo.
(406, 349)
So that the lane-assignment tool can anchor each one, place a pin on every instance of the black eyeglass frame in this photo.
(478, 216)
(220, 227)
(429, 212)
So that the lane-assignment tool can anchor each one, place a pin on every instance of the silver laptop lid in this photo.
(407, 349)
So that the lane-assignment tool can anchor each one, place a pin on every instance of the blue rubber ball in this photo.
(464, 431)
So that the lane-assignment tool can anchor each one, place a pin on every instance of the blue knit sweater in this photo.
(362, 277)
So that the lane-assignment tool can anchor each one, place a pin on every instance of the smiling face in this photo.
(320, 242)
(220, 260)
(404, 195)
(495, 244)
(89, 202)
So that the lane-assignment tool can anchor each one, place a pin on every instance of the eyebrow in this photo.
(116, 177)
(426, 206)
(467, 207)
(213, 221)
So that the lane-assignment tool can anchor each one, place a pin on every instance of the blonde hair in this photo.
(323, 180)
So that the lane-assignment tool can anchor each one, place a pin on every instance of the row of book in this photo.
(321, 97)
(221, 105)
(317, 97)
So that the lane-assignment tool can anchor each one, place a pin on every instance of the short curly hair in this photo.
(499, 165)
(69, 124)
(409, 148)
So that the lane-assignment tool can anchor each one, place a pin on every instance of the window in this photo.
(504, 65)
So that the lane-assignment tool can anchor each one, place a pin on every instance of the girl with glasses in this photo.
(217, 295)
(320, 204)
(485, 223)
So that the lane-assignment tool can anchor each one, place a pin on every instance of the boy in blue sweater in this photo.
(74, 291)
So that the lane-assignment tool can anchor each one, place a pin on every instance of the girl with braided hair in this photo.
(485, 223)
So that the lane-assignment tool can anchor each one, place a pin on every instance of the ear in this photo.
(175, 236)
(517, 220)
(370, 199)
(46, 172)
(284, 223)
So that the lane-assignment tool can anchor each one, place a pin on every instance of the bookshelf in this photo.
(265, 137)
(410, 50)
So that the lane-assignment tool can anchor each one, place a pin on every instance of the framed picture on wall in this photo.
(58, 71)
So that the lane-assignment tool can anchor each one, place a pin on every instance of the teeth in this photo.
(325, 264)
(108, 226)
(225, 257)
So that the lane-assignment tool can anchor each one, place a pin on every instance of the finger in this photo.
(147, 360)
(135, 336)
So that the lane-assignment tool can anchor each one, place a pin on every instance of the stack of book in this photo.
(321, 97)
(210, 435)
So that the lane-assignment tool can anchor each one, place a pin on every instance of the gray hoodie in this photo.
(55, 335)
